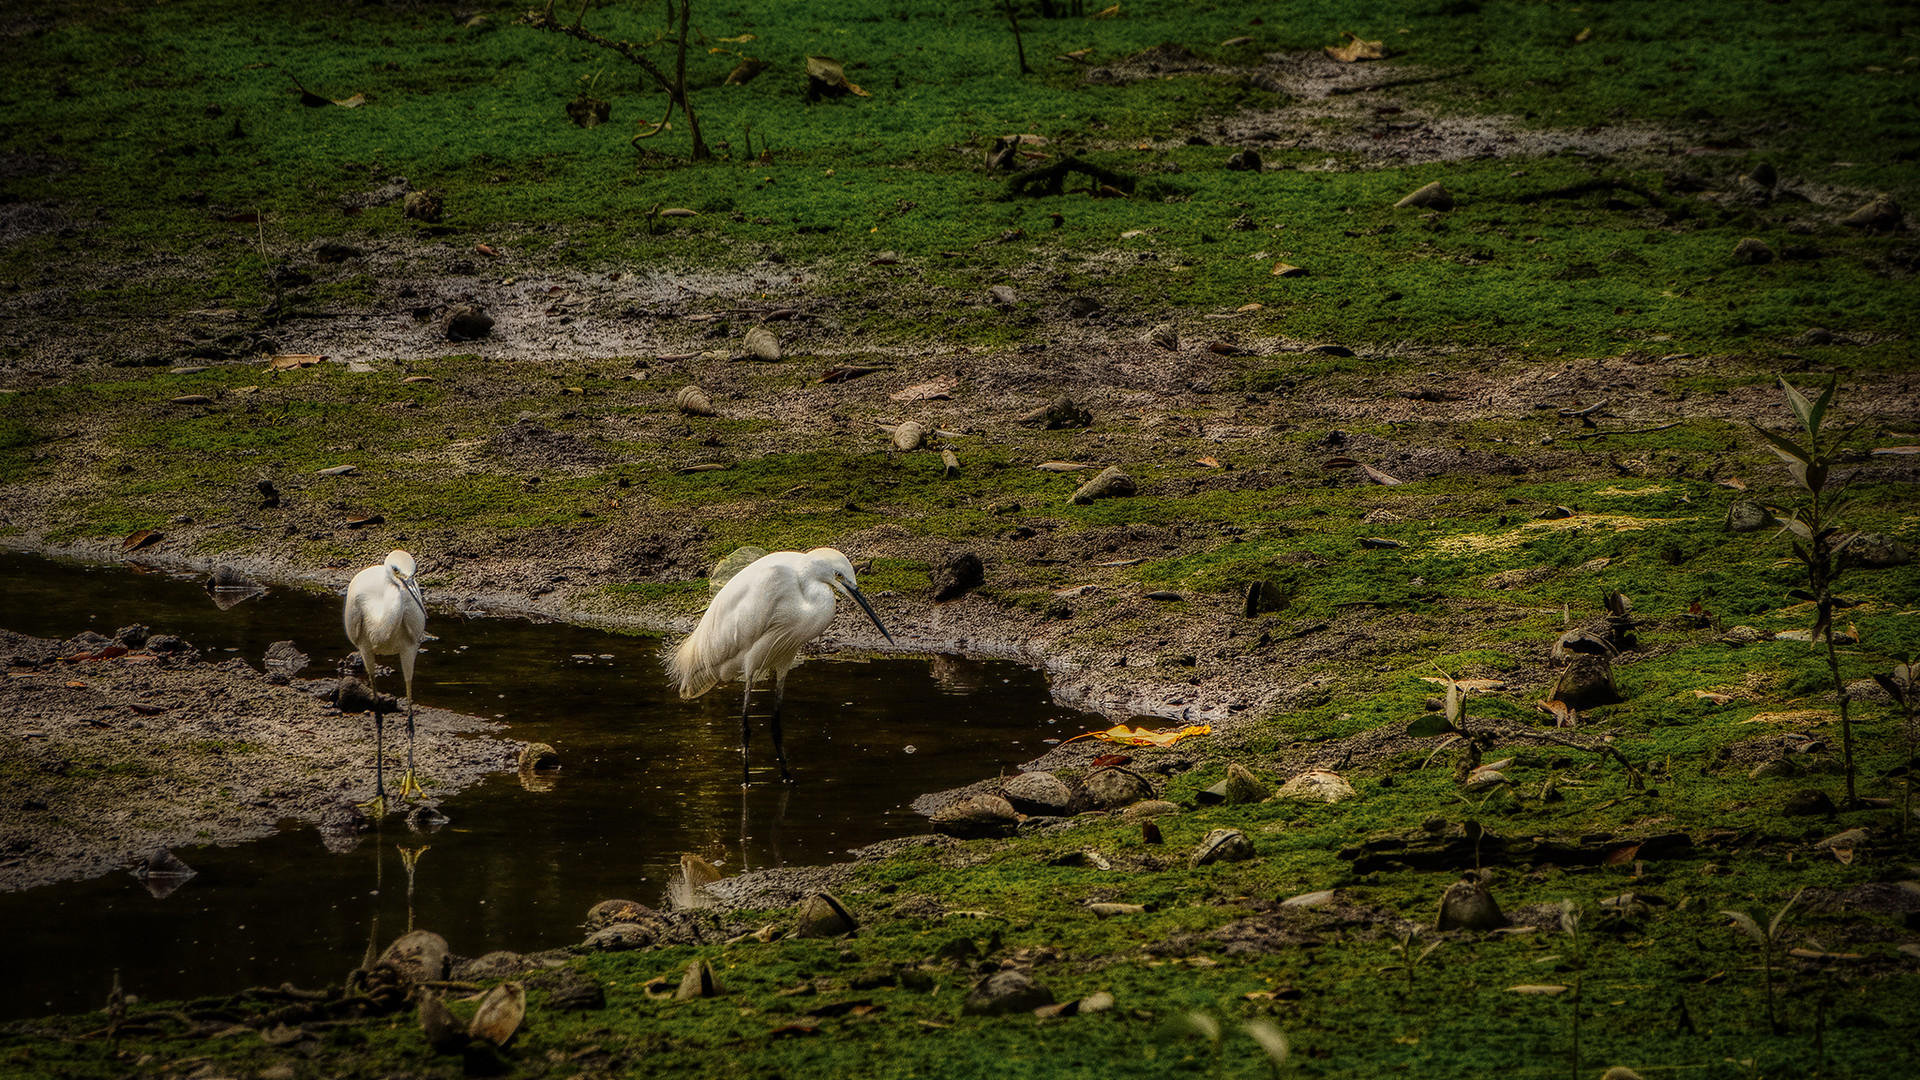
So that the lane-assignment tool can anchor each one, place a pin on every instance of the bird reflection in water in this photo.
(958, 674)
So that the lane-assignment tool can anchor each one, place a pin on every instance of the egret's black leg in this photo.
(379, 753)
(779, 748)
(746, 727)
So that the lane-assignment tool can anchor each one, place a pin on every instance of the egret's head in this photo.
(839, 573)
(400, 564)
(837, 568)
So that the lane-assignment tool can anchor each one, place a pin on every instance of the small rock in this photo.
(1080, 307)
(1745, 516)
(1244, 161)
(1816, 335)
(1317, 784)
(620, 937)
(1743, 635)
(1764, 175)
(419, 956)
(1243, 787)
(1110, 483)
(1111, 789)
(1062, 414)
(609, 912)
(1467, 905)
(443, 1032)
(822, 915)
(1150, 808)
(1875, 551)
(1003, 296)
(1005, 992)
(1222, 845)
(1038, 793)
(957, 572)
(1587, 683)
(761, 344)
(1164, 335)
(285, 658)
(1434, 196)
(1313, 899)
(466, 322)
(975, 817)
(1807, 802)
(423, 206)
(1881, 213)
(1108, 911)
(1752, 251)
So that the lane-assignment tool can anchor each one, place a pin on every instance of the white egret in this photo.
(758, 622)
(386, 615)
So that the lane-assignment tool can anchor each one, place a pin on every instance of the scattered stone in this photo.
(1111, 789)
(694, 401)
(761, 344)
(284, 658)
(976, 817)
(419, 956)
(1743, 635)
(1108, 911)
(1881, 213)
(1467, 905)
(822, 915)
(1003, 296)
(620, 937)
(1875, 551)
(1006, 992)
(1109, 484)
(1745, 516)
(699, 982)
(1038, 793)
(1753, 251)
(1517, 579)
(1434, 196)
(1061, 414)
(1313, 899)
(1080, 307)
(1587, 683)
(500, 1013)
(1165, 336)
(1222, 845)
(1764, 175)
(609, 912)
(1807, 802)
(443, 1032)
(1243, 787)
(1244, 161)
(423, 206)
(1150, 808)
(1317, 784)
(466, 322)
(956, 573)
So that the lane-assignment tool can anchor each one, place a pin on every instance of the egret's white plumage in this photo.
(386, 616)
(758, 622)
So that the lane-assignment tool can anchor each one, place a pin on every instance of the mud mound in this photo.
(529, 443)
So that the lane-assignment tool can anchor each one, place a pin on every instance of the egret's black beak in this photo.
(413, 590)
(868, 608)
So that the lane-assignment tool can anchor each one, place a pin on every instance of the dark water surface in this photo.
(646, 778)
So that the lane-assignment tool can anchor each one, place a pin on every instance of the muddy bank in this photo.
(104, 761)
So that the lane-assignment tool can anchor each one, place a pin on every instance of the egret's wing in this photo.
(724, 570)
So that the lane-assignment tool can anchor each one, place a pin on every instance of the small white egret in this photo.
(385, 614)
(759, 621)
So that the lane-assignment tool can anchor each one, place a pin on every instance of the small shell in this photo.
(762, 344)
(909, 436)
(1222, 845)
(694, 401)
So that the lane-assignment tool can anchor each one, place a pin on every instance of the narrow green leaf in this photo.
(1773, 928)
(1745, 922)
(1788, 450)
(1820, 407)
(1430, 724)
(1801, 407)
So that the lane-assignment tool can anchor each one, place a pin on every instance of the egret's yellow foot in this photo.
(409, 787)
(375, 807)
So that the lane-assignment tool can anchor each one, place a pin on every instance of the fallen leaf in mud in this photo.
(1106, 13)
(486, 250)
(830, 78)
(1582, 36)
(1377, 476)
(1547, 990)
(147, 710)
(337, 470)
(1281, 269)
(368, 519)
(1236, 41)
(1109, 761)
(1063, 466)
(741, 39)
(286, 361)
(1715, 698)
(411, 379)
(710, 467)
(1621, 855)
(192, 399)
(1126, 736)
(1223, 348)
(1889, 450)
(679, 211)
(75, 684)
(936, 390)
(1737, 485)
(1357, 49)
(1209, 462)
(353, 102)
(144, 538)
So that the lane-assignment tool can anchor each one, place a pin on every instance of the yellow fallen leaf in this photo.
(1357, 48)
(1107, 13)
(1209, 462)
(293, 360)
(1583, 35)
(1255, 306)
(1127, 736)
(738, 40)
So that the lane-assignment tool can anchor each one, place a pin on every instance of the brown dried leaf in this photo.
(192, 399)
(144, 538)
(285, 361)
(1106, 13)
(1209, 461)
(1546, 990)
(1357, 48)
